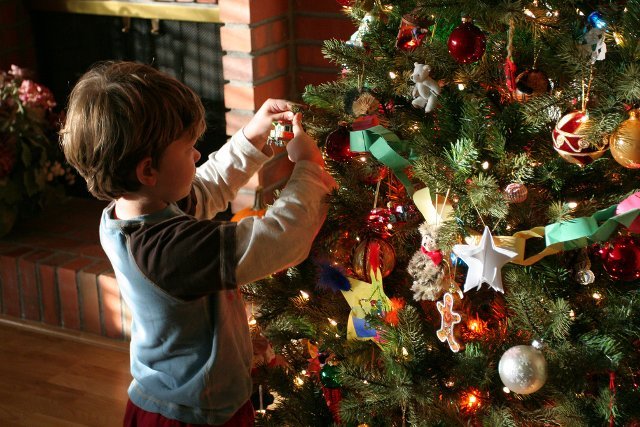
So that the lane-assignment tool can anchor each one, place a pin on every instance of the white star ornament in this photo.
(485, 262)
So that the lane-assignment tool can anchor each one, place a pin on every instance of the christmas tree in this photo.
(480, 261)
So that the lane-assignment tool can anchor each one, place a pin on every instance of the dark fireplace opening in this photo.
(67, 45)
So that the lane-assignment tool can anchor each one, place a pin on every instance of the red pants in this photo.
(136, 417)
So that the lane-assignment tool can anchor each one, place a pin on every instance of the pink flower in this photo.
(35, 95)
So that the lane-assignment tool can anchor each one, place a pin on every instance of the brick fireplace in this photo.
(52, 270)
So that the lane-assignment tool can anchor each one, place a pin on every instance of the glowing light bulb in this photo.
(304, 295)
(392, 75)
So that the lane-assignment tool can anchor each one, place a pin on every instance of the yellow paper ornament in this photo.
(625, 142)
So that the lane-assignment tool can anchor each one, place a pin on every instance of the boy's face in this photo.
(177, 168)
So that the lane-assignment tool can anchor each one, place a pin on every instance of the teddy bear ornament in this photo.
(426, 89)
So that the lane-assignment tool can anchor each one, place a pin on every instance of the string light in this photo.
(572, 205)
(304, 295)
(506, 389)
(392, 75)
(485, 165)
(597, 295)
(461, 86)
(298, 381)
(471, 400)
(332, 322)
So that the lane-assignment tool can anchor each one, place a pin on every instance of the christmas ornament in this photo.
(523, 369)
(592, 44)
(531, 82)
(379, 221)
(624, 143)
(340, 249)
(365, 298)
(373, 254)
(516, 192)
(333, 397)
(596, 20)
(485, 262)
(363, 28)
(427, 267)
(568, 142)
(412, 30)
(329, 375)
(448, 320)
(368, 169)
(630, 203)
(365, 104)
(281, 133)
(621, 258)
(337, 145)
(467, 42)
(426, 90)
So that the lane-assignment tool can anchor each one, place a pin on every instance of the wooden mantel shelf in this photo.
(148, 9)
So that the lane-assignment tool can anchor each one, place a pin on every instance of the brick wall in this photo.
(53, 270)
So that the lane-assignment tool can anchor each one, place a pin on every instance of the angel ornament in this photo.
(427, 266)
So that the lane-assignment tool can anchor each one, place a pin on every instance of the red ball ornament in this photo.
(568, 142)
(373, 253)
(379, 221)
(338, 145)
(621, 258)
(467, 42)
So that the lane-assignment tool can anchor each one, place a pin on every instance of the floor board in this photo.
(53, 381)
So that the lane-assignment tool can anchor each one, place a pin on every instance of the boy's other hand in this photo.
(302, 146)
(258, 128)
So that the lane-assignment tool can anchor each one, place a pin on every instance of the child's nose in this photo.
(196, 155)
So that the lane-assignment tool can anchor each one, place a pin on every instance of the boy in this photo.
(131, 132)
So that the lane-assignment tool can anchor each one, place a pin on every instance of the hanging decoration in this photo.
(624, 143)
(427, 266)
(592, 44)
(363, 29)
(413, 29)
(570, 144)
(621, 257)
(373, 254)
(523, 369)
(509, 65)
(531, 82)
(425, 90)
(281, 133)
(516, 192)
(485, 262)
(448, 320)
(364, 299)
(385, 146)
(337, 145)
(466, 42)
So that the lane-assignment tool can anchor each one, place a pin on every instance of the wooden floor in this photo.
(51, 380)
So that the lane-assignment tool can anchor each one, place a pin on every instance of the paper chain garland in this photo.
(560, 236)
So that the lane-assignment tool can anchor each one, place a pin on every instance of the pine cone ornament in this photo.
(427, 266)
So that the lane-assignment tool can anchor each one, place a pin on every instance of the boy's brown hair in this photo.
(118, 114)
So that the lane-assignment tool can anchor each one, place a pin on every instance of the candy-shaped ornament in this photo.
(570, 143)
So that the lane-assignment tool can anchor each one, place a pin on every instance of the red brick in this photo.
(247, 97)
(68, 292)
(49, 294)
(10, 281)
(236, 119)
(321, 28)
(111, 305)
(49, 287)
(243, 38)
(30, 290)
(252, 68)
(89, 304)
(250, 11)
(317, 6)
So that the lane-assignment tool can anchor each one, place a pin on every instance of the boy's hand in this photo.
(258, 128)
(302, 146)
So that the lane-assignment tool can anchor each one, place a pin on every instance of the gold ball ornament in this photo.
(625, 142)
(570, 144)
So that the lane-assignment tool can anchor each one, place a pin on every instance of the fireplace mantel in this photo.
(194, 12)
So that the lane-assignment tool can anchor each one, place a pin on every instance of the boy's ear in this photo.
(146, 173)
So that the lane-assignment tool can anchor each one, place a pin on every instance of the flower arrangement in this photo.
(32, 166)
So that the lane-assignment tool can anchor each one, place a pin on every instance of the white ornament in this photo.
(485, 262)
(356, 38)
(523, 369)
(426, 89)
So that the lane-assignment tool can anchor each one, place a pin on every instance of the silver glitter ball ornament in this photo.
(523, 369)
(516, 192)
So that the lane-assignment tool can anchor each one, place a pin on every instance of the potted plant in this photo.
(32, 167)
